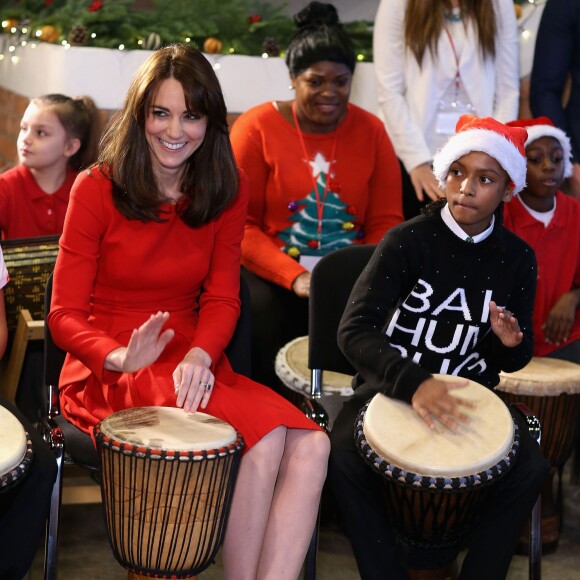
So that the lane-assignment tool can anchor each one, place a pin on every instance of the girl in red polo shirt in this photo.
(58, 137)
(549, 221)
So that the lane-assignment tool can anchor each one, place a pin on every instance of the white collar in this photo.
(450, 222)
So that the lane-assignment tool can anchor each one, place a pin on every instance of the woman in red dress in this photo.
(146, 299)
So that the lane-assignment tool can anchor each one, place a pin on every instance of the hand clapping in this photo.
(505, 325)
(145, 345)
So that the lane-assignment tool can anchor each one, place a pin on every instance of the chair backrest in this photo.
(331, 283)
(238, 351)
(29, 262)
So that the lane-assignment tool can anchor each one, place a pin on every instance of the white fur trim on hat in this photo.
(538, 131)
(487, 141)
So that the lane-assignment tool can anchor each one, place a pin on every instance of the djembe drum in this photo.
(15, 450)
(436, 483)
(551, 389)
(292, 369)
(167, 479)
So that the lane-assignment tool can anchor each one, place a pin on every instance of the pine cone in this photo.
(79, 35)
(270, 46)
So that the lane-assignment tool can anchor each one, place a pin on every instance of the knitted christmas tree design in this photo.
(338, 229)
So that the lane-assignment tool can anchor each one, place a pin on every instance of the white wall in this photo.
(347, 9)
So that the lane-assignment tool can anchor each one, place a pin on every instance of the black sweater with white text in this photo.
(421, 306)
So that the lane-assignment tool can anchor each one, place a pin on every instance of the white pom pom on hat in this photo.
(505, 144)
(543, 127)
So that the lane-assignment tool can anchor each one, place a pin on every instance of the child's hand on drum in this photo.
(145, 345)
(194, 380)
(505, 325)
(432, 400)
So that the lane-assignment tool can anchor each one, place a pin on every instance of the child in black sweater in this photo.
(448, 292)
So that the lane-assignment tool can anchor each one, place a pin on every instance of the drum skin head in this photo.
(542, 377)
(168, 429)
(12, 441)
(396, 433)
(291, 366)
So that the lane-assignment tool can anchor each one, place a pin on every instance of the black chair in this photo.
(73, 446)
(331, 283)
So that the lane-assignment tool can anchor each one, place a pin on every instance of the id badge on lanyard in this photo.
(454, 103)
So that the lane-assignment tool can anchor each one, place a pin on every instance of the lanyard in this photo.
(457, 74)
(319, 201)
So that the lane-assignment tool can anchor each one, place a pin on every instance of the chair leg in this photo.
(52, 523)
(312, 553)
(535, 549)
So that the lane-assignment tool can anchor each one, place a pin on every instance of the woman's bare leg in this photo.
(275, 505)
(294, 508)
(251, 504)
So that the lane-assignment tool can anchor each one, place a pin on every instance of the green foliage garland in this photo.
(242, 26)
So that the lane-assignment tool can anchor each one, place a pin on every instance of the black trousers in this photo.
(278, 316)
(24, 508)
(357, 491)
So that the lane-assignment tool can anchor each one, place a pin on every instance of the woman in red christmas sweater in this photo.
(323, 175)
(146, 298)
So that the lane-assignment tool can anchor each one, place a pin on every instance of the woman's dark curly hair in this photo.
(320, 37)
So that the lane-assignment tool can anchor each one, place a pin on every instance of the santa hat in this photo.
(543, 127)
(505, 144)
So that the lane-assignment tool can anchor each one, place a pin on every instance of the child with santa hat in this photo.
(549, 221)
(448, 292)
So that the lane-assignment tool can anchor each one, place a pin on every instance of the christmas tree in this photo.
(338, 229)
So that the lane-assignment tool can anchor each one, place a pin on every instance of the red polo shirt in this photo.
(557, 250)
(26, 211)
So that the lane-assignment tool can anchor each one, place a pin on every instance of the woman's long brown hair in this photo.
(424, 21)
(210, 180)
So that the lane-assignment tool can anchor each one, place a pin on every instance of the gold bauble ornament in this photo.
(212, 45)
(518, 11)
(9, 23)
(48, 33)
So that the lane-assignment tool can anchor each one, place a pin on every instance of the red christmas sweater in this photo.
(363, 193)
(557, 250)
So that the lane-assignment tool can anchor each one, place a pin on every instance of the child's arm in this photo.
(509, 347)
(390, 275)
(561, 317)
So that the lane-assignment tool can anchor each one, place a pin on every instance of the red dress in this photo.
(112, 273)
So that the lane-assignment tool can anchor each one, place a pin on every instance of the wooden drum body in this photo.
(436, 483)
(551, 389)
(15, 450)
(167, 479)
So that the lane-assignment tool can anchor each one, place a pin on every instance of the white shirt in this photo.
(456, 228)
